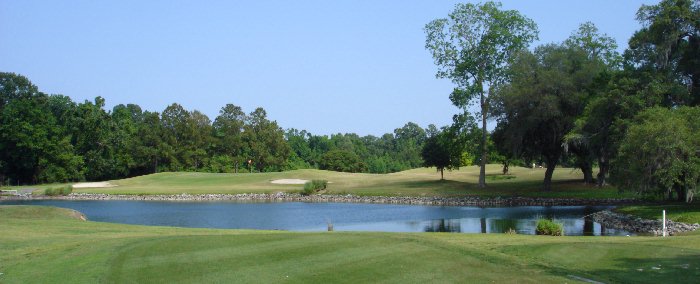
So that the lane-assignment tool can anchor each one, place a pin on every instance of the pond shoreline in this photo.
(607, 218)
(295, 197)
(635, 224)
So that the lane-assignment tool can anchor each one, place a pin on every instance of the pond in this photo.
(301, 216)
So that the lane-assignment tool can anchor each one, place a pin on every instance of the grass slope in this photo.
(680, 212)
(48, 245)
(416, 182)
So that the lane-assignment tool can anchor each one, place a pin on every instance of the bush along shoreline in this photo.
(636, 224)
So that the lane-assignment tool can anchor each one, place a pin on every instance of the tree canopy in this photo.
(473, 47)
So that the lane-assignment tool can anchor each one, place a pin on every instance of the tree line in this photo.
(49, 138)
(633, 115)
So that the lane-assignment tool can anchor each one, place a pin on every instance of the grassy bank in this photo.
(678, 212)
(416, 182)
(44, 245)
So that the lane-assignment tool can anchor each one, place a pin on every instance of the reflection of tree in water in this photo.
(502, 225)
(588, 229)
(444, 225)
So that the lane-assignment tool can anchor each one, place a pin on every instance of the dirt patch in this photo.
(289, 181)
(101, 184)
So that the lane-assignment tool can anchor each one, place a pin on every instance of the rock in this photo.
(635, 224)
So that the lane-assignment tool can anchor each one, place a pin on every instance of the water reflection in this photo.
(299, 216)
(444, 225)
(588, 229)
(504, 225)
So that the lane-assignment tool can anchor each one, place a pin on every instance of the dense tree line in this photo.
(580, 103)
(50, 138)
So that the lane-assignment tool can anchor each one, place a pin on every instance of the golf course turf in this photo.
(47, 245)
(417, 182)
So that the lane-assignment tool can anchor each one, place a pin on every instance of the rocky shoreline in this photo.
(635, 224)
(295, 197)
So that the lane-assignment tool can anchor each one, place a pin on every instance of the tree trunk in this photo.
(587, 170)
(603, 171)
(680, 193)
(551, 164)
(442, 174)
(484, 150)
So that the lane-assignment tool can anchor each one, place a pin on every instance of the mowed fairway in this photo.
(49, 245)
(416, 182)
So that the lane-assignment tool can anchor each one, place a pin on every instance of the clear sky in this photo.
(324, 66)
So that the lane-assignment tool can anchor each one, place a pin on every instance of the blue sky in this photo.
(324, 66)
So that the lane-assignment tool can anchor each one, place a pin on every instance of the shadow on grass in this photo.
(526, 188)
(677, 269)
(435, 184)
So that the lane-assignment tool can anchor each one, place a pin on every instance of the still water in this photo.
(300, 216)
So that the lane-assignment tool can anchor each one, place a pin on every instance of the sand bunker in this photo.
(289, 181)
(93, 184)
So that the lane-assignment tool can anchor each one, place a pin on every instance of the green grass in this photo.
(48, 245)
(686, 213)
(417, 182)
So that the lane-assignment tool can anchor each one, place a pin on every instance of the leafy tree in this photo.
(189, 135)
(301, 153)
(440, 152)
(661, 153)
(151, 148)
(126, 120)
(538, 108)
(599, 47)
(473, 47)
(342, 161)
(199, 141)
(603, 57)
(174, 124)
(14, 86)
(669, 43)
(409, 144)
(33, 145)
(265, 144)
(92, 139)
(319, 144)
(228, 135)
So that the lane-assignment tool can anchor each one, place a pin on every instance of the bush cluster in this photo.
(549, 227)
(313, 186)
(54, 191)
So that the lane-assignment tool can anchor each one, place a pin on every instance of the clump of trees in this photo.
(660, 153)
(579, 102)
(49, 138)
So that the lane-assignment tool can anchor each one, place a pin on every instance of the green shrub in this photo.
(549, 227)
(54, 191)
(341, 161)
(313, 186)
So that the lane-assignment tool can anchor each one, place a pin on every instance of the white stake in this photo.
(664, 220)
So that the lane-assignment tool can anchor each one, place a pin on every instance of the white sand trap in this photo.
(289, 181)
(93, 184)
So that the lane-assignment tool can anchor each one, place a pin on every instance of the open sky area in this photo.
(323, 66)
